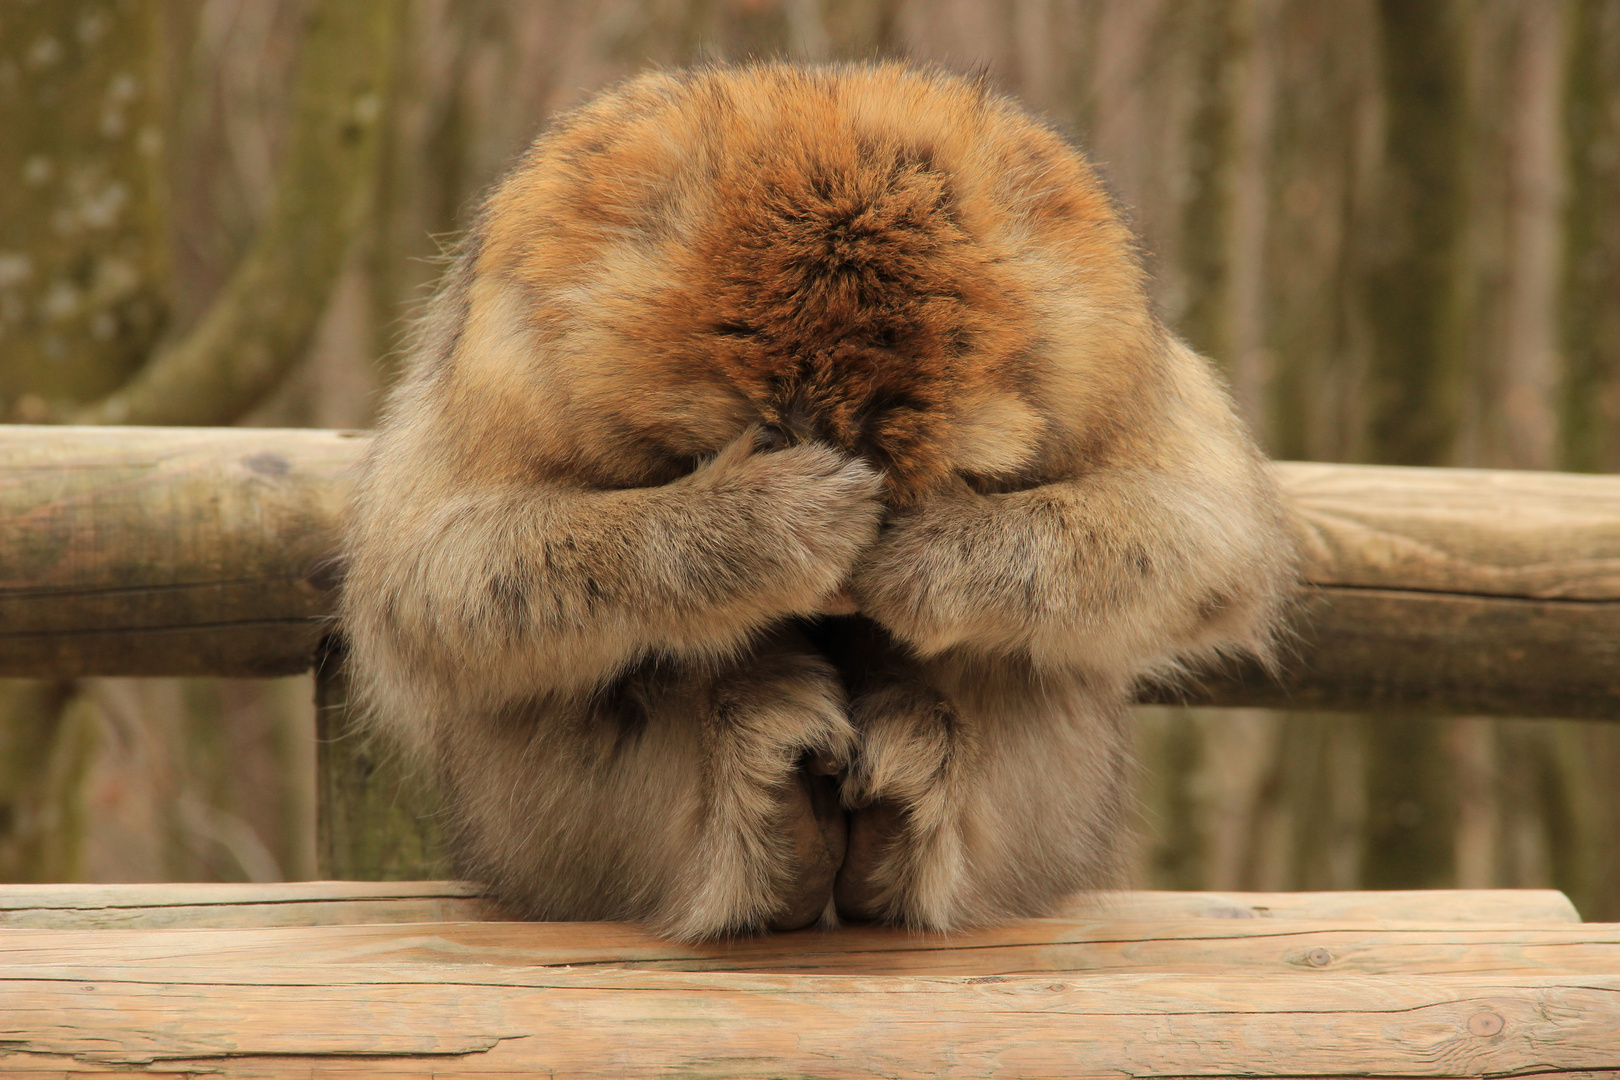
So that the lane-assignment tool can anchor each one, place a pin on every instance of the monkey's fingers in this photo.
(815, 829)
(824, 763)
(839, 603)
(875, 834)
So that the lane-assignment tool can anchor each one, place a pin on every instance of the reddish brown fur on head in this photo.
(887, 259)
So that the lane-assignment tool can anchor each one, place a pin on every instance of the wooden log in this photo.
(167, 551)
(1456, 590)
(177, 552)
(314, 903)
(1372, 905)
(232, 905)
(260, 1020)
(1284, 948)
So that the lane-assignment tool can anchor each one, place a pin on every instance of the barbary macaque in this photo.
(790, 487)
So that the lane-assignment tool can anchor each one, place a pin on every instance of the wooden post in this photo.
(376, 820)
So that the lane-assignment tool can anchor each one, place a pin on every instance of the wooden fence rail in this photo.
(182, 552)
(167, 551)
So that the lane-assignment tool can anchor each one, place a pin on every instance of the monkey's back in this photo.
(896, 261)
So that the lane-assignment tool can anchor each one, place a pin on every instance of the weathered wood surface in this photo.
(220, 905)
(167, 551)
(1408, 905)
(481, 1020)
(1465, 590)
(171, 551)
(1166, 994)
(1296, 948)
(317, 903)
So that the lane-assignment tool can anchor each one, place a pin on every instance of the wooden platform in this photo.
(336, 979)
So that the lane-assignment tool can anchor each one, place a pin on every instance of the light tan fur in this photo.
(733, 348)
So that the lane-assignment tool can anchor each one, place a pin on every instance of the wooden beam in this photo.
(229, 905)
(1214, 946)
(470, 1019)
(206, 551)
(1448, 590)
(1096, 997)
(331, 903)
(167, 551)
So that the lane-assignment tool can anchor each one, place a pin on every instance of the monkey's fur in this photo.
(731, 349)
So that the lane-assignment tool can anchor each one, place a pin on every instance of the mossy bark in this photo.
(1591, 273)
(83, 257)
(264, 319)
(376, 819)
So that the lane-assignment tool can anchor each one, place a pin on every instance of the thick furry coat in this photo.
(789, 487)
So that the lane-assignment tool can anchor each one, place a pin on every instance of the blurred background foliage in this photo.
(1394, 223)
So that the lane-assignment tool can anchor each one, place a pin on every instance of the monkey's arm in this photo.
(510, 590)
(1164, 555)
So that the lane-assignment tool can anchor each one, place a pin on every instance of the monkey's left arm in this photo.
(1157, 557)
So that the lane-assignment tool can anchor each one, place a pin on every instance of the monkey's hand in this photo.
(512, 589)
(1121, 572)
(801, 516)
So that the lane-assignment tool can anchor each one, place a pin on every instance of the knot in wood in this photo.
(1485, 1023)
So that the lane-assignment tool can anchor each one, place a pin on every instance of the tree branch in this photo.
(264, 318)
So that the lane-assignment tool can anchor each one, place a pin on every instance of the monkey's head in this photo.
(896, 261)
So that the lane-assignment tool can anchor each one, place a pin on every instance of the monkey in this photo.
(789, 487)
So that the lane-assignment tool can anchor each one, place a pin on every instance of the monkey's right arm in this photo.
(505, 591)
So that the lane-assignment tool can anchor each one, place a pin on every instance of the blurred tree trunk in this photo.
(84, 279)
(1589, 399)
(84, 267)
(1415, 282)
(84, 274)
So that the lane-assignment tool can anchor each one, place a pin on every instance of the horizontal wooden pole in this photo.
(471, 1019)
(1448, 590)
(1285, 948)
(167, 551)
(332, 903)
(1144, 996)
(207, 551)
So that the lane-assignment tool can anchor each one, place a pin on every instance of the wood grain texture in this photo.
(1305, 949)
(316, 903)
(1158, 995)
(146, 551)
(171, 551)
(479, 1020)
(1482, 532)
(1370, 905)
(228, 905)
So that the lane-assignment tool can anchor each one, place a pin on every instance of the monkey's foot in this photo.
(901, 790)
(874, 830)
(815, 829)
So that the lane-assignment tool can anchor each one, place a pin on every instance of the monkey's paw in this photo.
(774, 833)
(809, 512)
(932, 578)
(902, 859)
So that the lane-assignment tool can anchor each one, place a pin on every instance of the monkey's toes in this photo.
(815, 829)
(874, 830)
